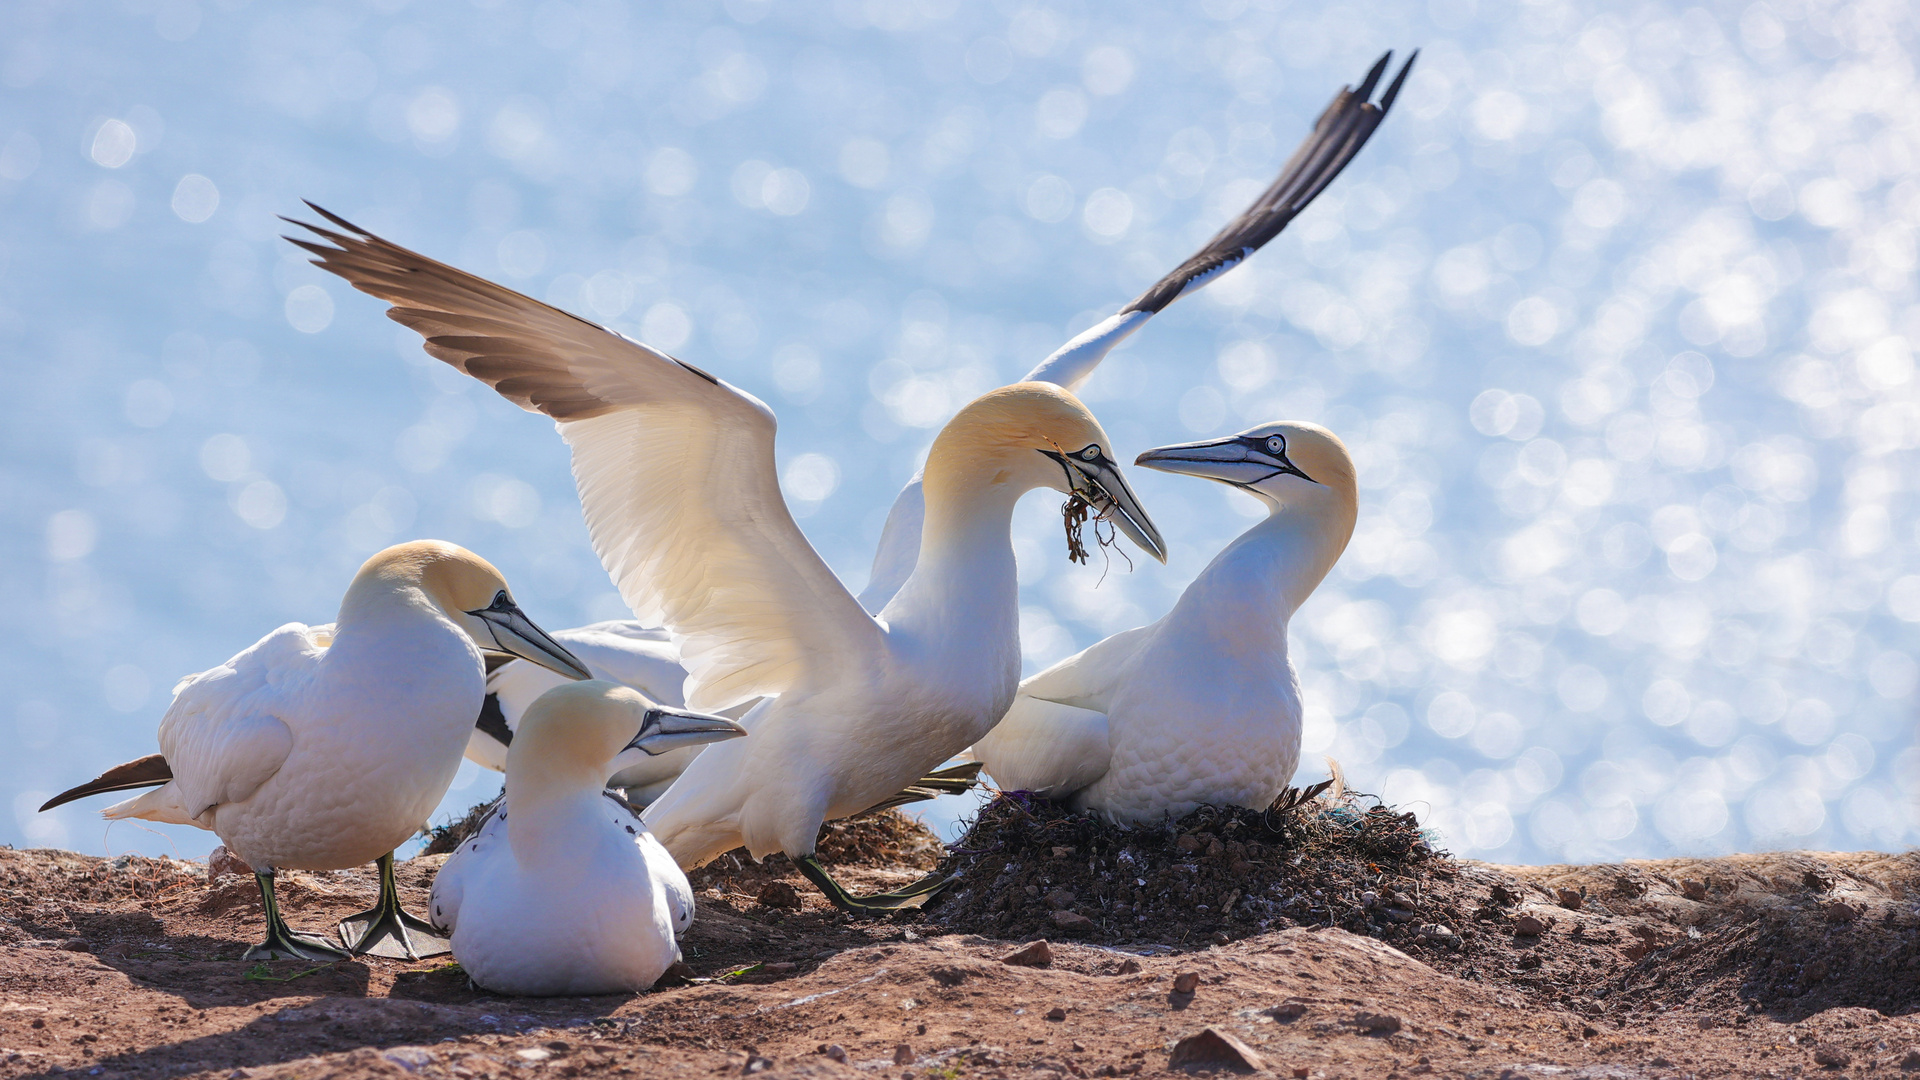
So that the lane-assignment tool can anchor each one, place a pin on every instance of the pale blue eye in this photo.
(1276, 444)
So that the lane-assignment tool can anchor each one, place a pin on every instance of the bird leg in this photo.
(282, 943)
(386, 930)
(911, 896)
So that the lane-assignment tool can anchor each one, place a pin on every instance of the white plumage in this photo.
(563, 890)
(1203, 706)
(676, 476)
(320, 748)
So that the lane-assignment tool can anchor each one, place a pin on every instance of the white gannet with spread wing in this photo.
(1202, 707)
(562, 890)
(1343, 128)
(323, 748)
(676, 476)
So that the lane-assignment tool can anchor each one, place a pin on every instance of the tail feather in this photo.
(149, 771)
(162, 804)
(952, 780)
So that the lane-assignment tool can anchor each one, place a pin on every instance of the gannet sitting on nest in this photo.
(318, 750)
(682, 501)
(563, 890)
(1202, 707)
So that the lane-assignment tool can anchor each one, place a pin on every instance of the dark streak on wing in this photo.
(149, 771)
(445, 306)
(493, 721)
(1339, 133)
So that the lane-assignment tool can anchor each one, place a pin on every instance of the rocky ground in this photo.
(1404, 963)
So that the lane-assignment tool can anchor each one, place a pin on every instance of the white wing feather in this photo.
(675, 470)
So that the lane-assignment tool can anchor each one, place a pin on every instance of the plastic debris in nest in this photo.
(1030, 867)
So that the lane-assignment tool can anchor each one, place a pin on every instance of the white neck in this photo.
(1249, 592)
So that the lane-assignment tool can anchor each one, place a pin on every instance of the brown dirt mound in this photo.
(1030, 867)
(1744, 966)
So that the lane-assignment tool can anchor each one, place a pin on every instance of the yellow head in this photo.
(1284, 462)
(570, 735)
(1031, 435)
(469, 592)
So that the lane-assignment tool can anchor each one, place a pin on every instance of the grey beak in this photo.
(1107, 490)
(516, 634)
(670, 729)
(1230, 461)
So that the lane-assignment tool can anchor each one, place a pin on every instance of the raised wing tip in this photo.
(1393, 89)
(335, 218)
(1373, 76)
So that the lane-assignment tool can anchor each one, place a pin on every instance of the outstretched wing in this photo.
(1343, 128)
(675, 470)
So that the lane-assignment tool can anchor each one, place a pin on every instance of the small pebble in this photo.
(1037, 954)
(75, 944)
(779, 894)
(1186, 982)
(1056, 1013)
(836, 1052)
(903, 1054)
(1386, 1023)
(1529, 926)
(1570, 898)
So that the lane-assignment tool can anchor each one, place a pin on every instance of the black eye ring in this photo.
(502, 600)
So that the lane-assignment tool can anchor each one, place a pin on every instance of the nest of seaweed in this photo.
(1032, 868)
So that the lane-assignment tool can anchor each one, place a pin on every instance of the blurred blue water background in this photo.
(1615, 312)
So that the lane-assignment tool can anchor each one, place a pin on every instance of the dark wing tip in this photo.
(1393, 89)
(1363, 93)
(335, 218)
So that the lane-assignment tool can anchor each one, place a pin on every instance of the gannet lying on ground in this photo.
(563, 890)
(1343, 127)
(319, 751)
(677, 480)
(1202, 707)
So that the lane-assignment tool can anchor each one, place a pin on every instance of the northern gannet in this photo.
(1201, 707)
(563, 890)
(321, 749)
(676, 476)
(1342, 128)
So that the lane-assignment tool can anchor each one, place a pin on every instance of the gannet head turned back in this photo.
(469, 591)
(562, 891)
(1031, 435)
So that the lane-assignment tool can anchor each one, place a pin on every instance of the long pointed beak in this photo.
(1111, 493)
(1230, 461)
(514, 633)
(670, 729)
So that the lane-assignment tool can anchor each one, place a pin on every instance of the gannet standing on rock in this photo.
(321, 750)
(1202, 707)
(563, 890)
(682, 500)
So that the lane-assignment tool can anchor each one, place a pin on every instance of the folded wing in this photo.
(675, 470)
